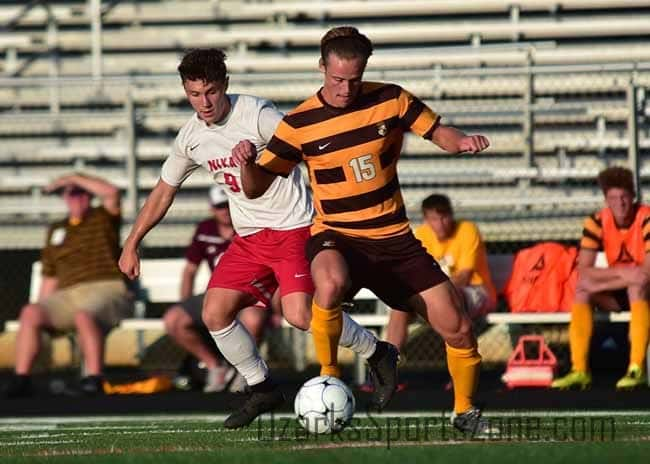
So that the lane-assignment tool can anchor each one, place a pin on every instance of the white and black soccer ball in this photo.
(324, 404)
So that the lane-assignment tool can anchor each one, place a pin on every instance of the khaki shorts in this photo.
(108, 300)
(477, 301)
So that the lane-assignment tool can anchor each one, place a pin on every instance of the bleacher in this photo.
(548, 84)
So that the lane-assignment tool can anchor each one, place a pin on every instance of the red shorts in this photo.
(260, 263)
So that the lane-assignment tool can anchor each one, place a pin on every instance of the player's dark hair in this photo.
(439, 203)
(345, 42)
(206, 64)
(616, 177)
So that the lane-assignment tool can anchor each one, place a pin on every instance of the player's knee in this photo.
(583, 288)
(330, 292)
(83, 319)
(32, 315)
(299, 319)
(461, 334)
(172, 319)
(637, 292)
(214, 319)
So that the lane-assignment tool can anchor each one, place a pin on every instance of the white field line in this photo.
(35, 424)
(37, 442)
(278, 433)
(23, 421)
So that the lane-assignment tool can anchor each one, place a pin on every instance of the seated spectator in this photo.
(183, 321)
(622, 230)
(82, 287)
(458, 248)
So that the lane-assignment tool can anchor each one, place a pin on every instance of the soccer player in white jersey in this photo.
(268, 252)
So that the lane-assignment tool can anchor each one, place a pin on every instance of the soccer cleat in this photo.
(633, 378)
(91, 385)
(369, 387)
(257, 402)
(574, 379)
(20, 386)
(383, 372)
(472, 424)
(218, 378)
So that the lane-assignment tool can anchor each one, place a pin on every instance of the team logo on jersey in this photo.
(221, 163)
(329, 243)
(381, 128)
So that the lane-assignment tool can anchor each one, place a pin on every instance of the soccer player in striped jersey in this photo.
(622, 230)
(350, 135)
(267, 253)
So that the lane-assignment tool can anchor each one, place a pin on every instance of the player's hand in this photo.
(244, 153)
(129, 263)
(634, 275)
(473, 143)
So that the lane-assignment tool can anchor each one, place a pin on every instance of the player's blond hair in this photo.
(345, 42)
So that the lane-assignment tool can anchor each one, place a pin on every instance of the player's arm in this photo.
(453, 140)
(194, 254)
(421, 120)
(154, 209)
(255, 180)
(594, 279)
(635, 275)
(187, 279)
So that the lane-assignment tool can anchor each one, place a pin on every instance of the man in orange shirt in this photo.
(622, 231)
(458, 248)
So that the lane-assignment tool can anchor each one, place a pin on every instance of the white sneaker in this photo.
(238, 384)
(218, 379)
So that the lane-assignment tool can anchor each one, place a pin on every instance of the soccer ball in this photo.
(324, 404)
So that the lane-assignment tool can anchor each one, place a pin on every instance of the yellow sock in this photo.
(326, 326)
(580, 329)
(639, 327)
(464, 365)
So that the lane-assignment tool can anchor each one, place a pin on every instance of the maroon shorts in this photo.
(394, 268)
(260, 263)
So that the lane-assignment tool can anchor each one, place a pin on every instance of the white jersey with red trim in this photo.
(287, 203)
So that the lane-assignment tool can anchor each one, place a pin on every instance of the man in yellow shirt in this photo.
(459, 249)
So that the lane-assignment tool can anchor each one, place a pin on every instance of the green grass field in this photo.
(574, 437)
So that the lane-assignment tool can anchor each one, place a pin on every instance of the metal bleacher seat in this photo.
(144, 36)
(73, 12)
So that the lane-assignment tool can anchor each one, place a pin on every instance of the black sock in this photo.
(380, 351)
(23, 379)
(264, 387)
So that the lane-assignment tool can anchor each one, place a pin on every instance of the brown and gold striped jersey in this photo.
(85, 252)
(621, 246)
(351, 155)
